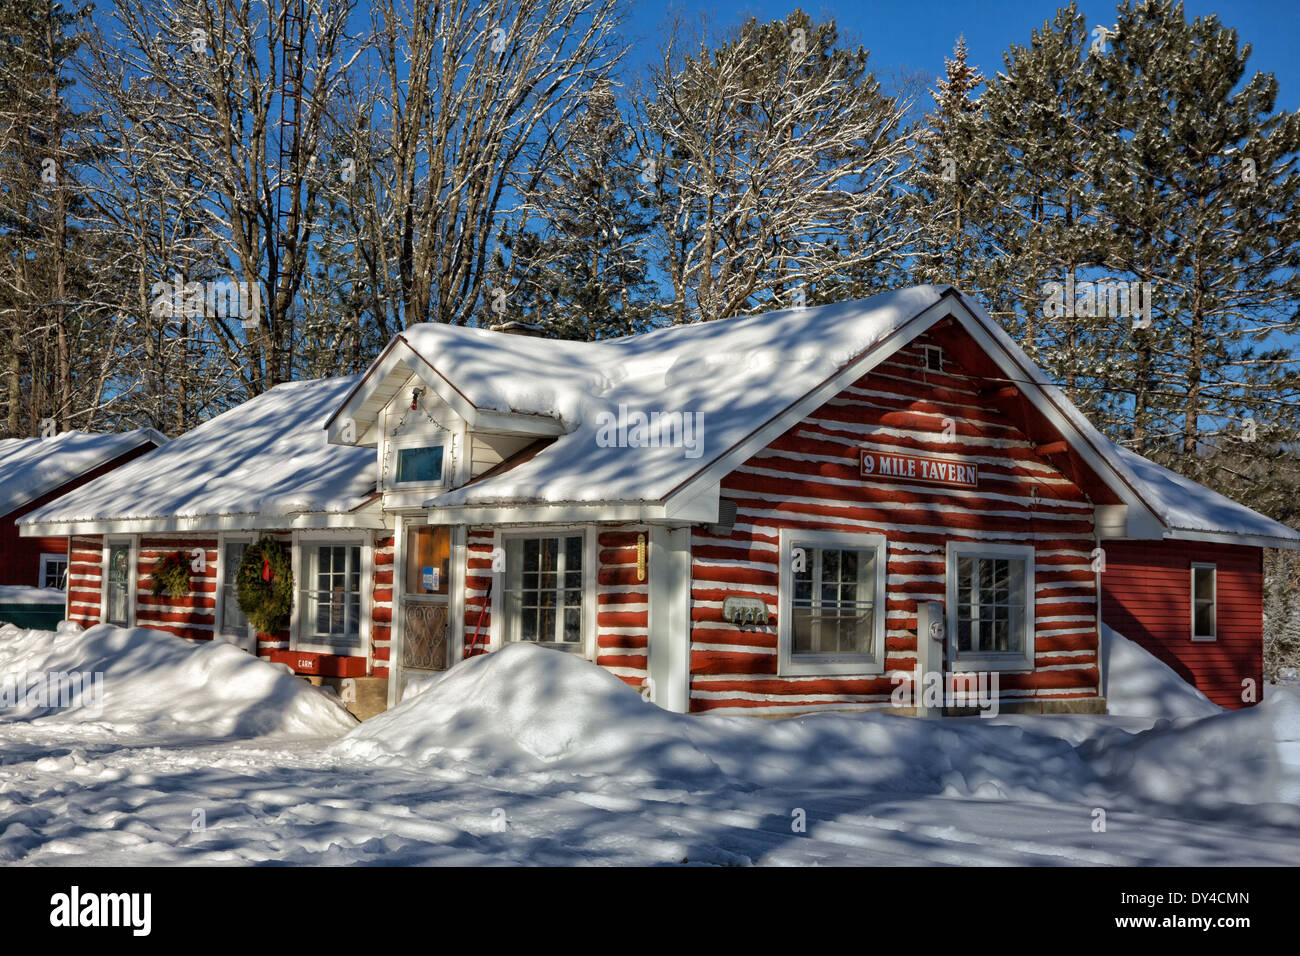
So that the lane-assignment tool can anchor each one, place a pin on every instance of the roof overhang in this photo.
(386, 376)
(369, 518)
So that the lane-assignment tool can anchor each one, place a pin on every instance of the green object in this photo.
(172, 576)
(266, 603)
(37, 617)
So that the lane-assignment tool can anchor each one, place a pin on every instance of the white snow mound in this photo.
(1138, 684)
(157, 684)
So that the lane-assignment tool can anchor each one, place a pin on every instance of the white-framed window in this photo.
(418, 464)
(119, 581)
(234, 623)
(549, 595)
(831, 604)
(932, 358)
(1205, 602)
(54, 571)
(330, 596)
(991, 606)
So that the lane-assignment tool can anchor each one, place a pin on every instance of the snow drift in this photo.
(159, 685)
(1138, 684)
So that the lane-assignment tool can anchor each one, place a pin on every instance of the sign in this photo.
(935, 471)
(429, 579)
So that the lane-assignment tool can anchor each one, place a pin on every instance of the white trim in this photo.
(1022, 660)
(668, 617)
(365, 518)
(699, 509)
(47, 556)
(456, 606)
(872, 664)
(1225, 537)
(395, 626)
(1214, 600)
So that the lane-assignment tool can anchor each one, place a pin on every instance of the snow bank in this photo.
(1138, 684)
(528, 709)
(22, 594)
(1248, 756)
(158, 685)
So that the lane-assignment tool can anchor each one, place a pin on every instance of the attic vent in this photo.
(932, 359)
(726, 517)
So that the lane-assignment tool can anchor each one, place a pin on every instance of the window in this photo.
(990, 594)
(117, 588)
(544, 590)
(428, 560)
(831, 614)
(1205, 611)
(420, 465)
(233, 621)
(54, 571)
(932, 358)
(331, 592)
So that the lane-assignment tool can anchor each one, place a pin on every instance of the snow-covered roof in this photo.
(737, 375)
(261, 464)
(31, 467)
(734, 374)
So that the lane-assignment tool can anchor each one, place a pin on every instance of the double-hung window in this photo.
(991, 606)
(117, 585)
(1205, 601)
(544, 601)
(331, 596)
(831, 612)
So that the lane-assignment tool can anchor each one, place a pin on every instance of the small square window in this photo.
(421, 465)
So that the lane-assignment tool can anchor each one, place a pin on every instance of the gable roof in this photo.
(749, 379)
(32, 467)
(262, 464)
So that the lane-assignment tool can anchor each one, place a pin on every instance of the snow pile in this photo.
(1138, 684)
(1248, 756)
(524, 708)
(528, 709)
(152, 683)
(22, 594)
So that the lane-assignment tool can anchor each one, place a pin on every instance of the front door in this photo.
(426, 634)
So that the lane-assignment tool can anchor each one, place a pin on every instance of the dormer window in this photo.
(419, 465)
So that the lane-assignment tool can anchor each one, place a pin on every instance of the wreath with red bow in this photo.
(264, 585)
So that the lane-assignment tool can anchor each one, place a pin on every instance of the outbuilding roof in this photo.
(31, 467)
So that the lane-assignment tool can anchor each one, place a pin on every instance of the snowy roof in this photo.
(1185, 506)
(31, 467)
(734, 374)
(265, 461)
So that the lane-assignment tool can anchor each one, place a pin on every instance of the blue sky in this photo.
(915, 35)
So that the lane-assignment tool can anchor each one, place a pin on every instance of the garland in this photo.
(264, 585)
(172, 576)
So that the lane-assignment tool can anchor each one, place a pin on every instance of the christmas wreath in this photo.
(172, 576)
(264, 585)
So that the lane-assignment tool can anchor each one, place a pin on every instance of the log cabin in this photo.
(764, 515)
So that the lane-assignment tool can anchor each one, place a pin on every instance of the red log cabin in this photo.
(770, 515)
(36, 471)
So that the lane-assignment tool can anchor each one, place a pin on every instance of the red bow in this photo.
(266, 569)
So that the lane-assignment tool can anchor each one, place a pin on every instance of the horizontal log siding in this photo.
(808, 478)
(622, 605)
(193, 614)
(85, 579)
(478, 586)
(381, 604)
(1146, 596)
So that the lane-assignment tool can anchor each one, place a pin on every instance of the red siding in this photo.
(478, 590)
(1146, 596)
(622, 605)
(20, 558)
(809, 478)
(85, 579)
(381, 614)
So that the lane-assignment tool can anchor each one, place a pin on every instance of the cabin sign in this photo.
(936, 471)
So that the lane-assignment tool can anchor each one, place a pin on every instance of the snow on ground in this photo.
(533, 756)
(22, 594)
(154, 684)
(1138, 684)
